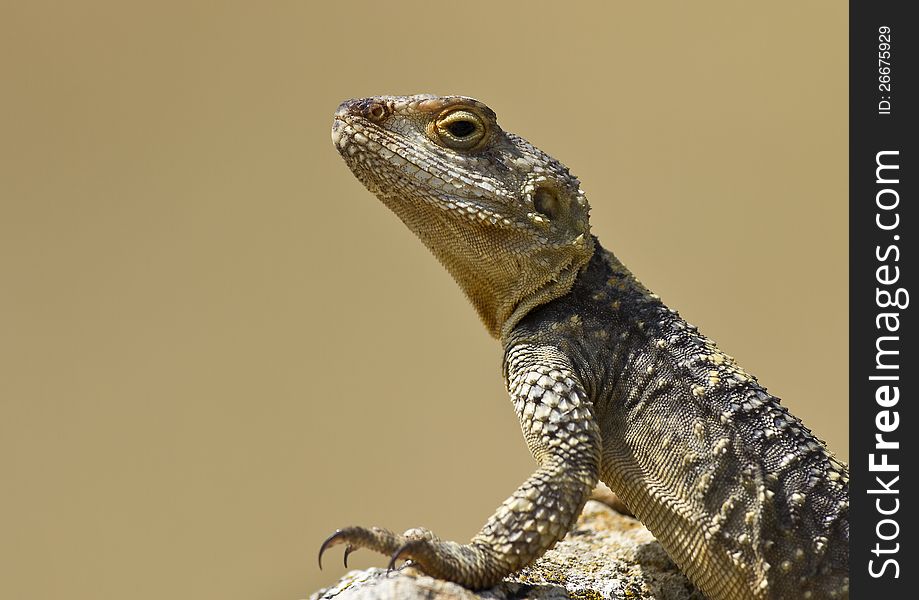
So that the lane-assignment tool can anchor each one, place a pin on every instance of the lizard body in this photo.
(608, 383)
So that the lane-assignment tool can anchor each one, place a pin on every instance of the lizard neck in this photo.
(550, 285)
(504, 279)
(601, 286)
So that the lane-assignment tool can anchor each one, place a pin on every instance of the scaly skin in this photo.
(608, 383)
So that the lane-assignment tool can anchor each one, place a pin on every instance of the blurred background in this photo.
(216, 346)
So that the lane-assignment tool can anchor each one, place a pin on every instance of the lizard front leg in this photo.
(556, 417)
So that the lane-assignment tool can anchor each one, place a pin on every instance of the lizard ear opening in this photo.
(547, 202)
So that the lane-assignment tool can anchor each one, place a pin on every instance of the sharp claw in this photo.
(330, 541)
(348, 550)
(397, 555)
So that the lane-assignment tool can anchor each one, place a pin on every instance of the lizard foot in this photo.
(470, 565)
(413, 542)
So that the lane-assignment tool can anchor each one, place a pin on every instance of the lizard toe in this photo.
(405, 551)
(372, 538)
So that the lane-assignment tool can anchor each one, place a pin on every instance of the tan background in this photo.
(216, 346)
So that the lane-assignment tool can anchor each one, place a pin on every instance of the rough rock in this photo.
(608, 555)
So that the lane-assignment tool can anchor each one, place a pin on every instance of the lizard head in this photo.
(508, 221)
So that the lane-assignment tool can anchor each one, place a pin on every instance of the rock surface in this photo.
(607, 555)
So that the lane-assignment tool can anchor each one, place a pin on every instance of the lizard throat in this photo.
(554, 287)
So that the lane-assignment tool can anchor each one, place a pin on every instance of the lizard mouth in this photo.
(338, 128)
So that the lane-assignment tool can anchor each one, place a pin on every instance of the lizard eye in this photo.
(460, 129)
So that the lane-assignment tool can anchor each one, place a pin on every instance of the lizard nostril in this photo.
(376, 111)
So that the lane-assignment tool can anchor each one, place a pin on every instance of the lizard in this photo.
(607, 381)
